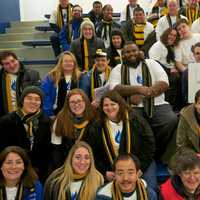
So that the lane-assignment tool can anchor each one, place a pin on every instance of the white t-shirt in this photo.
(13, 82)
(195, 28)
(123, 13)
(148, 29)
(53, 17)
(106, 191)
(159, 52)
(74, 189)
(163, 25)
(157, 74)
(11, 193)
(116, 129)
(183, 51)
(102, 77)
(54, 138)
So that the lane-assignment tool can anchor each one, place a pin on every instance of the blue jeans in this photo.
(150, 176)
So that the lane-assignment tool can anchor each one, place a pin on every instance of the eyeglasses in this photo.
(78, 102)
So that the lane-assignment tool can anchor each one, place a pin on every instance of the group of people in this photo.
(99, 121)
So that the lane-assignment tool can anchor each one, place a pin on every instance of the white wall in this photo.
(32, 10)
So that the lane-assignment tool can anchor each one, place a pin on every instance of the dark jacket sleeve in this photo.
(147, 141)
(54, 27)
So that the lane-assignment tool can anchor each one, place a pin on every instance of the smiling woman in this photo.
(18, 180)
(121, 130)
(77, 178)
(73, 123)
(185, 183)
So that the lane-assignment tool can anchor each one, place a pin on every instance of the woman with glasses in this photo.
(77, 178)
(185, 182)
(71, 124)
(61, 79)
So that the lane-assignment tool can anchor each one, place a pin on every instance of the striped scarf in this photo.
(106, 28)
(138, 33)
(96, 80)
(109, 144)
(60, 19)
(32, 122)
(85, 55)
(170, 21)
(146, 77)
(192, 14)
(140, 189)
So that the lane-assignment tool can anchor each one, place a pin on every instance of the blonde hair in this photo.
(57, 72)
(64, 176)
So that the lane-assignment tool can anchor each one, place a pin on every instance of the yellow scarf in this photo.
(8, 93)
(138, 33)
(82, 128)
(86, 55)
(140, 188)
(192, 14)
(107, 73)
(111, 149)
(60, 21)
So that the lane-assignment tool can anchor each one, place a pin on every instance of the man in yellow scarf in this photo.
(127, 183)
(59, 18)
(14, 77)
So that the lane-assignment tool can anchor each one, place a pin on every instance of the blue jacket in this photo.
(75, 32)
(36, 195)
(85, 83)
(49, 89)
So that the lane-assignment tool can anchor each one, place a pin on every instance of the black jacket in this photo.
(25, 78)
(14, 133)
(143, 144)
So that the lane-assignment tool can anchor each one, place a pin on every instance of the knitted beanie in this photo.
(31, 89)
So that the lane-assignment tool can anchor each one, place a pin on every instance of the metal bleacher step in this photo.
(28, 29)
(28, 24)
(10, 44)
(41, 53)
(42, 69)
(25, 36)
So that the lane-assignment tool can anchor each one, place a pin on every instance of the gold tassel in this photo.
(86, 55)
(92, 82)
(8, 93)
(21, 192)
(128, 133)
